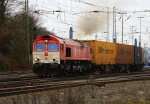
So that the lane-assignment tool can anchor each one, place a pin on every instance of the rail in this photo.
(38, 84)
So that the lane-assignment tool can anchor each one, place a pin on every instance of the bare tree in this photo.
(5, 9)
(13, 41)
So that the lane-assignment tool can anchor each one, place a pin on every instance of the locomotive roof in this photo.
(75, 40)
(46, 36)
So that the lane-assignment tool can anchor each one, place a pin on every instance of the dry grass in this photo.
(117, 93)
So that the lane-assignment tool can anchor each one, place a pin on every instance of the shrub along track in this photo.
(13, 86)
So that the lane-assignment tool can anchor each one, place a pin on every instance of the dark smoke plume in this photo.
(91, 24)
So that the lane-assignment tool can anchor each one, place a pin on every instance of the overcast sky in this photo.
(86, 24)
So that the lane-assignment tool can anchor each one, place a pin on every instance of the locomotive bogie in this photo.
(75, 67)
(45, 69)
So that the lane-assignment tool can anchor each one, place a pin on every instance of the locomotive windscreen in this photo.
(39, 46)
(52, 46)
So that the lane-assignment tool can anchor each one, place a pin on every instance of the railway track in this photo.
(26, 78)
(20, 81)
(26, 85)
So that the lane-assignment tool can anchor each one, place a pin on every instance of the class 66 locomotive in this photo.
(53, 55)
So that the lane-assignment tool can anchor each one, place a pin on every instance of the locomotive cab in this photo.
(46, 55)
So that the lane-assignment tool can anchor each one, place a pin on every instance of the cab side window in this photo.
(68, 52)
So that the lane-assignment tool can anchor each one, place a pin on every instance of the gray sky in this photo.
(86, 24)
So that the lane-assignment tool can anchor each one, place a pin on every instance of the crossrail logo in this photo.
(104, 50)
(101, 50)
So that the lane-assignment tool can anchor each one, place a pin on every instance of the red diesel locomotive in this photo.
(53, 55)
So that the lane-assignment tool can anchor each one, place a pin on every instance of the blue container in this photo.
(137, 55)
(147, 56)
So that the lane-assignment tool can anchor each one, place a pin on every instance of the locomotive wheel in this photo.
(90, 68)
(74, 70)
(44, 72)
(81, 70)
(60, 70)
(68, 69)
(86, 67)
(84, 70)
(35, 68)
(48, 71)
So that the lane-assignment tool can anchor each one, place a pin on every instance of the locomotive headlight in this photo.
(36, 59)
(55, 59)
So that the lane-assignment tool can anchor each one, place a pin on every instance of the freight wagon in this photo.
(104, 55)
(113, 57)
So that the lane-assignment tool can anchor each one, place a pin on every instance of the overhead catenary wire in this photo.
(76, 12)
